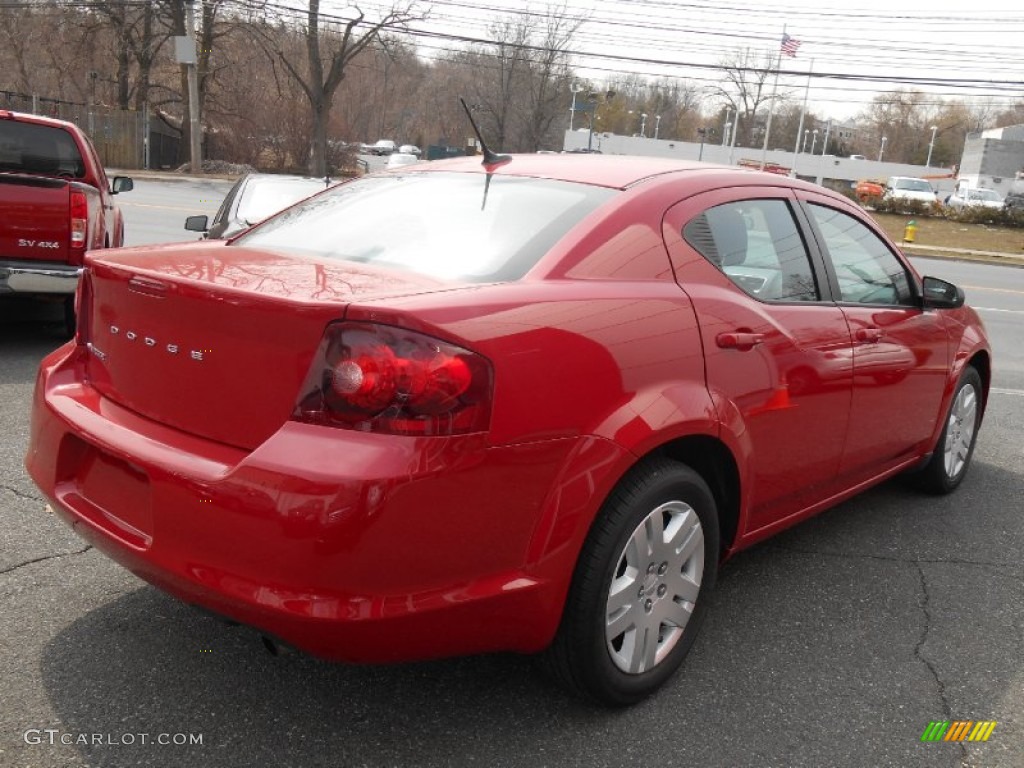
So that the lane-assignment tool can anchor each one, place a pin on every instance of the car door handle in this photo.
(870, 335)
(739, 340)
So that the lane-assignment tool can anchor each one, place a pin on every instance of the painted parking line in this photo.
(1001, 391)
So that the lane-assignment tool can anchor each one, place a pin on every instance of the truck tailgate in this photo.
(35, 218)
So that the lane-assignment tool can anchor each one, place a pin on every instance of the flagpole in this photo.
(803, 112)
(771, 104)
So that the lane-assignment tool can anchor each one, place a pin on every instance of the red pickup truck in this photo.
(56, 203)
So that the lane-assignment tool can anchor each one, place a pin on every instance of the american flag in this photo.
(789, 45)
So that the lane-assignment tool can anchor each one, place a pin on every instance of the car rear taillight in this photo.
(79, 219)
(378, 378)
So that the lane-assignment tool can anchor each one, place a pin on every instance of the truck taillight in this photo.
(79, 219)
(377, 378)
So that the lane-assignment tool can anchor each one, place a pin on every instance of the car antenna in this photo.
(490, 158)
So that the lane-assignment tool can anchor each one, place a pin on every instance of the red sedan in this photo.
(523, 407)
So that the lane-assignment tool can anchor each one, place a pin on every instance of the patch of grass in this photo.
(944, 233)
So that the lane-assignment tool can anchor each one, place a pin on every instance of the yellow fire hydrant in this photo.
(910, 231)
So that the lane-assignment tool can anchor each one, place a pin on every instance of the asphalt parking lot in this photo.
(833, 644)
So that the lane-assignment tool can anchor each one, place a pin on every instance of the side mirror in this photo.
(939, 294)
(121, 184)
(197, 223)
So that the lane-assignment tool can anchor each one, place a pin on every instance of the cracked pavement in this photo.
(833, 644)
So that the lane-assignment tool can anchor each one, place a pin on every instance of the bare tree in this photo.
(744, 88)
(902, 118)
(549, 75)
(328, 54)
(500, 75)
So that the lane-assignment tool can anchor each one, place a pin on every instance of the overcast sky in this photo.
(968, 50)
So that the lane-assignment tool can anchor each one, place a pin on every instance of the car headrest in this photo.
(729, 231)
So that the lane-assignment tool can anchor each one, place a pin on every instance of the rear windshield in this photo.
(266, 197)
(460, 226)
(33, 148)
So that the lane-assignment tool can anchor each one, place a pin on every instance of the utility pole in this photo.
(193, 91)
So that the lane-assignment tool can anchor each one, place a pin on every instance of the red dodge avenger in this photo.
(522, 406)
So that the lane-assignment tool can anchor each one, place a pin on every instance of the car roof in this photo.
(614, 171)
(24, 117)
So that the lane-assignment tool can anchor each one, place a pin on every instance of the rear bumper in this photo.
(28, 277)
(346, 545)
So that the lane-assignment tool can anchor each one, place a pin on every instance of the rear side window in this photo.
(459, 226)
(32, 148)
(757, 245)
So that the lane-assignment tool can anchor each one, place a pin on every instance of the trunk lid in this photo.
(34, 218)
(216, 340)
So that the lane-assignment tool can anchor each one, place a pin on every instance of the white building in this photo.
(992, 158)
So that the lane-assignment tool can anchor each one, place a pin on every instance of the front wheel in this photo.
(640, 588)
(948, 464)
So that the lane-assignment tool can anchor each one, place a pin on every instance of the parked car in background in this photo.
(380, 147)
(527, 406)
(253, 198)
(975, 198)
(867, 190)
(910, 188)
(56, 203)
(1015, 197)
(399, 159)
(410, 149)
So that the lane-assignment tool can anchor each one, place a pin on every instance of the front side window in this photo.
(867, 271)
(757, 245)
(459, 226)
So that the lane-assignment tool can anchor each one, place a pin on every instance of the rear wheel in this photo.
(948, 464)
(640, 587)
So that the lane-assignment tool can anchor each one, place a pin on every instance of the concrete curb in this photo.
(172, 175)
(964, 254)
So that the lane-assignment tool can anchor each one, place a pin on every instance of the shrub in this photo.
(907, 207)
(1003, 217)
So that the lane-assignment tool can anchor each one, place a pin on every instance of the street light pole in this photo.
(657, 125)
(643, 124)
(702, 132)
(814, 139)
(575, 88)
(931, 146)
(803, 144)
(728, 125)
(881, 149)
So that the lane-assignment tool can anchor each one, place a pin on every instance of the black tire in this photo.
(583, 658)
(70, 321)
(943, 473)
